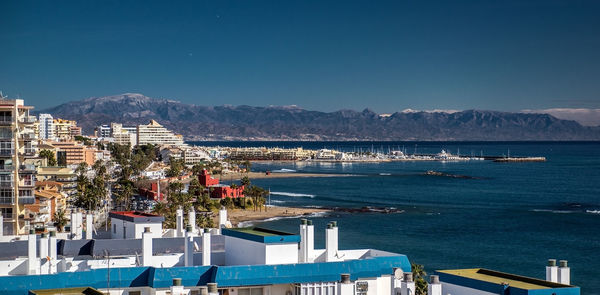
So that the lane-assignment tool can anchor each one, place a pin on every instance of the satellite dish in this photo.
(398, 273)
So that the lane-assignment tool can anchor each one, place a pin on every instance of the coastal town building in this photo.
(103, 131)
(73, 153)
(190, 155)
(46, 127)
(154, 133)
(63, 175)
(217, 190)
(123, 136)
(142, 258)
(18, 147)
(65, 129)
(263, 153)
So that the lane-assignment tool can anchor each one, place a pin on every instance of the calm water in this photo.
(515, 217)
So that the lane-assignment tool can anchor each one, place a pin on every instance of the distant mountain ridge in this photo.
(294, 123)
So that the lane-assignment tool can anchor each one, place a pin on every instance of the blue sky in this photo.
(320, 55)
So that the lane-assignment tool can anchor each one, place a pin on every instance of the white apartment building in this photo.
(154, 133)
(46, 126)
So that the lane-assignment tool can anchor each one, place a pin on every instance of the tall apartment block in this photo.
(18, 147)
(46, 126)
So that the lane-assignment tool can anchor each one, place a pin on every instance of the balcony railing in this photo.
(6, 152)
(6, 184)
(27, 168)
(7, 200)
(26, 199)
(27, 119)
(4, 120)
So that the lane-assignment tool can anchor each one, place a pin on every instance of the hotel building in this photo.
(154, 133)
(18, 148)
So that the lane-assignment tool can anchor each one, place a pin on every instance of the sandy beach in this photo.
(238, 215)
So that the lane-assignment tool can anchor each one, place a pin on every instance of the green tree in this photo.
(257, 194)
(49, 155)
(419, 275)
(60, 220)
(176, 167)
(245, 181)
(195, 187)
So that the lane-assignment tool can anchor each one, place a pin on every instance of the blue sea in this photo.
(510, 217)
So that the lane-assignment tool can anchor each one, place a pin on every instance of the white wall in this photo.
(244, 252)
(132, 230)
(286, 253)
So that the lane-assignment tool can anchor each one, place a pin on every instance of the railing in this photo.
(28, 119)
(4, 120)
(7, 200)
(27, 167)
(26, 199)
(6, 152)
(6, 184)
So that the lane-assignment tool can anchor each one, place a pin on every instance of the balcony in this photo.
(7, 200)
(26, 200)
(26, 184)
(28, 153)
(27, 168)
(6, 184)
(27, 119)
(7, 152)
(5, 121)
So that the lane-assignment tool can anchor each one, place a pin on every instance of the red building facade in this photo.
(219, 191)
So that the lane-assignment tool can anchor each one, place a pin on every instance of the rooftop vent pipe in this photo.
(552, 271)
(564, 273)
(212, 288)
(345, 278)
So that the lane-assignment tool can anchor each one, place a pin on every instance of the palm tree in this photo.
(60, 220)
(419, 275)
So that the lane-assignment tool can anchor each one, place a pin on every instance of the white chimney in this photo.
(89, 226)
(331, 242)
(564, 273)
(177, 288)
(407, 286)
(43, 245)
(52, 252)
(73, 225)
(310, 241)
(552, 271)
(79, 225)
(147, 247)
(192, 219)
(434, 287)
(179, 220)
(32, 264)
(212, 289)
(222, 217)
(302, 251)
(188, 247)
(206, 247)
(345, 287)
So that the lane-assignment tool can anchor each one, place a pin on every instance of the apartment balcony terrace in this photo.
(7, 200)
(26, 200)
(27, 168)
(6, 120)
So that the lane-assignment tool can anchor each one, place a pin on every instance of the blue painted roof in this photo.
(520, 285)
(227, 276)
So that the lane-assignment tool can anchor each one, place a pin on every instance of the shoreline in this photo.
(241, 216)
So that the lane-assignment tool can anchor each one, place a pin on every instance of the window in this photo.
(6, 196)
(134, 292)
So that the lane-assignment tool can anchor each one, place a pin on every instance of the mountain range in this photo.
(293, 123)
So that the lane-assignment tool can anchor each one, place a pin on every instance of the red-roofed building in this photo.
(219, 191)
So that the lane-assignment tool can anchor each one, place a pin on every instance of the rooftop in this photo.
(501, 278)
(261, 235)
(135, 216)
